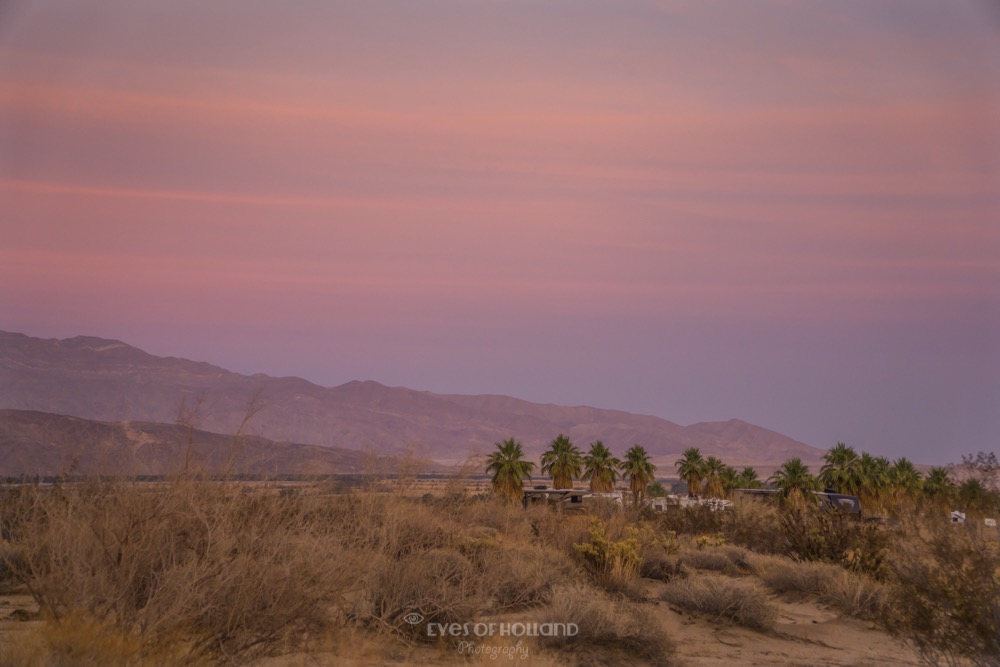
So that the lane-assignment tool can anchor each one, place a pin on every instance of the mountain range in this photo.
(109, 381)
(48, 444)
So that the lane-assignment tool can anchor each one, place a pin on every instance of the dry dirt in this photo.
(805, 633)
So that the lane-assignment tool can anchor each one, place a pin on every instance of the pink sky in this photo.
(786, 212)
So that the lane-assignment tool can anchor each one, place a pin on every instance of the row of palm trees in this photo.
(882, 484)
(879, 483)
(564, 462)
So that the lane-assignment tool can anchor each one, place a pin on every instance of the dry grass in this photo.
(725, 559)
(784, 577)
(626, 629)
(723, 599)
(856, 595)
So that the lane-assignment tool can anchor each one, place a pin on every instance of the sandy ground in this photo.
(806, 633)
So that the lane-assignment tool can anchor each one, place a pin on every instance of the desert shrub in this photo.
(856, 595)
(604, 626)
(813, 534)
(492, 513)
(11, 565)
(438, 585)
(756, 525)
(692, 520)
(663, 568)
(657, 553)
(80, 641)
(712, 559)
(549, 526)
(723, 598)
(706, 540)
(614, 563)
(236, 577)
(389, 524)
(943, 594)
(784, 576)
(519, 575)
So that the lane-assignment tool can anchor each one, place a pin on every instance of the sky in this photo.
(786, 212)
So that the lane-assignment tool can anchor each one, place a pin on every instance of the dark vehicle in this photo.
(838, 501)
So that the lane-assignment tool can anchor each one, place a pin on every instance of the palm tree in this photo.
(691, 469)
(794, 480)
(714, 468)
(639, 471)
(510, 469)
(874, 472)
(905, 481)
(729, 475)
(562, 461)
(939, 489)
(601, 468)
(748, 479)
(972, 495)
(841, 470)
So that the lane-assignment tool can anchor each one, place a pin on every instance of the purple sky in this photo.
(785, 212)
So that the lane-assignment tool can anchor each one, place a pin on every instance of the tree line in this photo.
(881, 484)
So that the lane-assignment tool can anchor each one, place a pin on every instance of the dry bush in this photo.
(693, 520)
(493, 513)
(625, 630)
(438, 585)
(552, 527)
(80, 641)
(723, 598)
(708, 559)
(520, 575)
(784, 576)
(658, 553)
(756, 525)
(943, 594)
(722, 558)
(388, 524)
(228, 574)
(856, 595)
(11, 563)
(816, 534)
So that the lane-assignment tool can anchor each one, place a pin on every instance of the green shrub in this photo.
(612, 562)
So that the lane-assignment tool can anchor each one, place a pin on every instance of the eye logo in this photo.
(413, 618)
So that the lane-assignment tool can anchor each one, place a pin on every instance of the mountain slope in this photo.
(108, 380)
(42, 443)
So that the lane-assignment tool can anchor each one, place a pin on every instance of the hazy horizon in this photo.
(782, 212)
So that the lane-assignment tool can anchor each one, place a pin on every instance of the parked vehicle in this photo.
(570, 500)
(838, 501)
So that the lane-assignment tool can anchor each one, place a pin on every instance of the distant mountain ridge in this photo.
(41, 443)
(108, 380)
